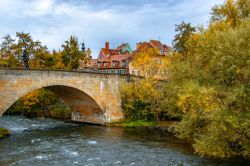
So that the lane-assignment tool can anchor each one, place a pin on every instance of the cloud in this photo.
(97, 21)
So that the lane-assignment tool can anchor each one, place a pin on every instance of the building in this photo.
(113, 60)
(162, 52)
(155, 44)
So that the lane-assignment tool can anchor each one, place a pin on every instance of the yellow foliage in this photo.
(30, 99)
(150, 63)
(195, 99)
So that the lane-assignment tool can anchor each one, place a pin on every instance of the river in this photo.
(43, 142)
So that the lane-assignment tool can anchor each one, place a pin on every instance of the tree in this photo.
(6, 47)
(184, 31)
(232, 12)
(71, 53)
(150, 63)
(41, 103)
(38, 55)
(214, 91)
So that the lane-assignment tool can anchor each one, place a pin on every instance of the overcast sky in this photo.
(97, 21)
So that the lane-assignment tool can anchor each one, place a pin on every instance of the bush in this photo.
(4, 133)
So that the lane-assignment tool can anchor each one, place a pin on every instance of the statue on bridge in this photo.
(25, 57)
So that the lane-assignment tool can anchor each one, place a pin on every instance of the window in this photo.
(138, 73)
(123, 64)
(133, 72)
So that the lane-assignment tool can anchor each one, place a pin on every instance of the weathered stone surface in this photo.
(93, 97)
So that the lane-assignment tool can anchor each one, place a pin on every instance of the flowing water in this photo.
(50, 142)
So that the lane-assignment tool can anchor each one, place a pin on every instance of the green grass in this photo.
(138, 123)
(4, 133)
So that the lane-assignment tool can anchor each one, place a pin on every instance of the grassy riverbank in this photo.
(163, 125)
(137, 123)
(4, 133)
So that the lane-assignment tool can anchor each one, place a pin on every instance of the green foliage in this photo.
(71, 53)
(213, 79)
(137, 101)
(149, 100)
(224, 131)
(39, 56)
(208, 87)
(4, 133)
(136, 123)
(184, 31)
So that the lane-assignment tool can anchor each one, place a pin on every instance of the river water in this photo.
(43, 142)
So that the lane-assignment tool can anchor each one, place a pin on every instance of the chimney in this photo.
(107, 46)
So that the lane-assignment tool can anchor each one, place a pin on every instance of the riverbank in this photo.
(163, 125)
(4, 133)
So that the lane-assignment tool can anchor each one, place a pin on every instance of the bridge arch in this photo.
(84, 107)
(96, 95)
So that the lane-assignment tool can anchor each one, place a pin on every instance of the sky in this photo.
(98, 21)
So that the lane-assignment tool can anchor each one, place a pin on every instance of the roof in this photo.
(153, 44)
(121, 47)
(143, 46)
(117, 58)
(160, 46)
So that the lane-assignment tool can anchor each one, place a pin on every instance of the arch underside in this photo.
(84, 108)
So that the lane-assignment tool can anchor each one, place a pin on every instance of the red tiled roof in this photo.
(110, 52)
(121, 47)
(107, 56)
(153, 44)
(117, 58)
(143, 46)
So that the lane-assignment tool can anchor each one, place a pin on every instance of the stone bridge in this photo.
(93, 97)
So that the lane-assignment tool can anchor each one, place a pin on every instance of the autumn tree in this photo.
(6, 46)
(184, 31)
(150, 63)
(71, 54)
(7, 52)
(213, 81)
(231, 12)
(41, 103)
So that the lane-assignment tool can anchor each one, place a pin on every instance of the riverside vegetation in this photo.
(41, 103)
(208, 87)
(4, 133)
